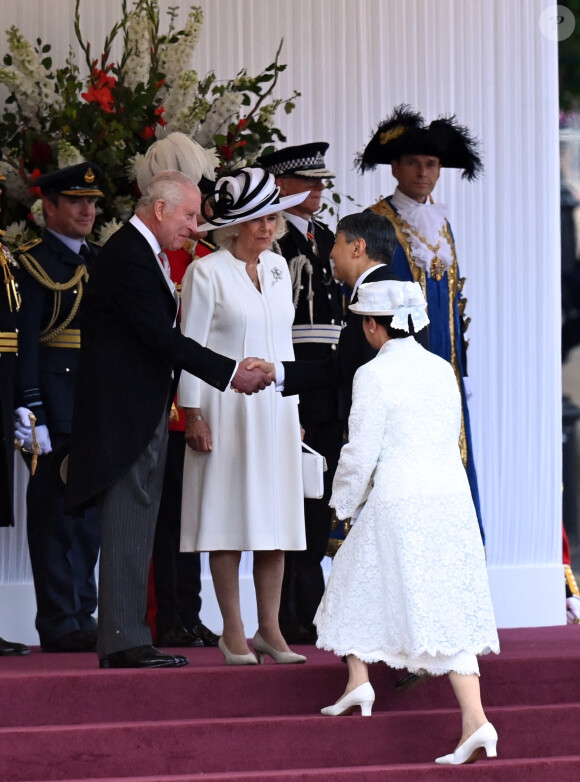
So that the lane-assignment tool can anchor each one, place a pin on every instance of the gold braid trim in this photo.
(386, 210)
(571, 581)
(36, 271)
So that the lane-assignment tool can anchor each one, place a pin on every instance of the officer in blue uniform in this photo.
(9, 304)
(53, 274)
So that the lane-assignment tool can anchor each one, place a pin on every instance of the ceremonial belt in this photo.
(8, 342)
(319, 332)
(69, 338)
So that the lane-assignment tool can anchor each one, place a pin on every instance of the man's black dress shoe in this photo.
(77, 641)
(410, 680)
(205, 634)
(142, 657)
(179, 636)
(11, 648)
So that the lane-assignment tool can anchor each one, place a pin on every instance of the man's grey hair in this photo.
(166, 186)
(226, 237)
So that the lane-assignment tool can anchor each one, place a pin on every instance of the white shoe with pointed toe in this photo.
(286, 658)
(363, 696)
(236, 659)
(484, 738)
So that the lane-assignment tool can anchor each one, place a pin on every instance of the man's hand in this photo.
(42, 438)
(249, 381)
(266, 366)
(22, 424)
(197, 431)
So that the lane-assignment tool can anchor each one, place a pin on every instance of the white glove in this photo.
(573, 610)
(22, 427)
(42, 438)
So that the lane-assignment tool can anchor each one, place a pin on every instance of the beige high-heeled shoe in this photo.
(484, 738)
(363, 696)
(236, 659)
(263, 648)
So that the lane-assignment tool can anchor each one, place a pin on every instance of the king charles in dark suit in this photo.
(131, 355)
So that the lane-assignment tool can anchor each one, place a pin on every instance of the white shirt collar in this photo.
(298, 222)
(363, 277)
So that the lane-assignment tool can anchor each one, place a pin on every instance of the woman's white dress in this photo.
(246, 494)
(409, 585)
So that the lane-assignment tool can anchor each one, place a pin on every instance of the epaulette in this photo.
(207, 244)
(24, 248)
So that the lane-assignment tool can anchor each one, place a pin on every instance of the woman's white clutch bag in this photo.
(313, 467)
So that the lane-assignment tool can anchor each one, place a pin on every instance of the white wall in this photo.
(488, 62)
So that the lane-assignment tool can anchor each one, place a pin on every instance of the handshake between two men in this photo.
(253, 375)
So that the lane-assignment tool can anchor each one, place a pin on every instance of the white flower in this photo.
(223, 111)
(138, 41)
(16, 234)
(132, 166)
(124, 207)
(67, 154)
(37, 214)
(108, 229)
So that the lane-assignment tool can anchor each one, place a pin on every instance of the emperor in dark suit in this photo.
(131, 355)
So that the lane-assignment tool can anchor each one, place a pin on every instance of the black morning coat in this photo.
(131, 355)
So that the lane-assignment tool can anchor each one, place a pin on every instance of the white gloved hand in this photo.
(22, 426)
(42, 438)
(573, 610)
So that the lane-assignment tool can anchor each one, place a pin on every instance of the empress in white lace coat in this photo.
(409, 584)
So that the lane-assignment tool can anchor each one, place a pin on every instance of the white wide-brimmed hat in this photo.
(248, 193)
(393, 297)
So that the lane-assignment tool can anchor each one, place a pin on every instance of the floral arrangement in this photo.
(56, 116)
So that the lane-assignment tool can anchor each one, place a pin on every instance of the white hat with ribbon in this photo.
(393, 297)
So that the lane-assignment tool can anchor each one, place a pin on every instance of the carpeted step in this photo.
(274, 744)
(537, 770)
(82, 694)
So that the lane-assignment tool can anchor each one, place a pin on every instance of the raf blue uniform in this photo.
(63, 549)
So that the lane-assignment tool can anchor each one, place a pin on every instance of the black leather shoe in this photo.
(142, 657)
(77, 641)
(179, 636)
(410, 680)
(11, 648)
(205, 635)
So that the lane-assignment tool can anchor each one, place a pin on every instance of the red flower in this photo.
(40, 154)
(148, 132)
(100, 91)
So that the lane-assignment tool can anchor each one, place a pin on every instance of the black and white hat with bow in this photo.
(245, 195)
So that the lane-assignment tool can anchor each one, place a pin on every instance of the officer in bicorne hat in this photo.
(53, 274)
(426, 248)
(317, 324)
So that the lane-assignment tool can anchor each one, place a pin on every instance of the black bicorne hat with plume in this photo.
(405, 133)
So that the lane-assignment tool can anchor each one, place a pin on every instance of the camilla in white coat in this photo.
(409, 585)
(242, 481)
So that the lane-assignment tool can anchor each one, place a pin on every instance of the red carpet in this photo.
(61, 718)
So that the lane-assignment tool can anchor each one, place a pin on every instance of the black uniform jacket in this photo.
(132, 352)
(47, 374)
(353, 352)
(321, 404)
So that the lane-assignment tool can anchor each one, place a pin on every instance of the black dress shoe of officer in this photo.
(77, 641)
(11, 648)
(179, 636)
(205, 634)
(142, 657)
(409, 681)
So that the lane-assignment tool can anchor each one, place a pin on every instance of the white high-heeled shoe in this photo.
(236, 659)
(484, 738)
(262, 648)
(363, 696)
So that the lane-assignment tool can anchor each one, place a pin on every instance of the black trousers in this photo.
(303, 584)
(63, 554)
(177, 576)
